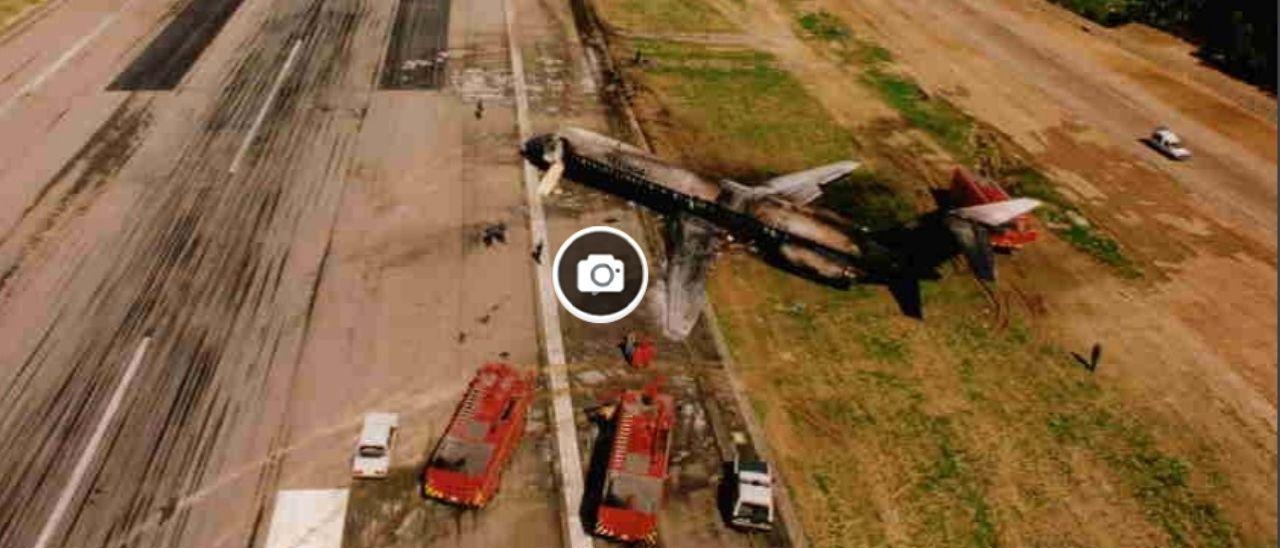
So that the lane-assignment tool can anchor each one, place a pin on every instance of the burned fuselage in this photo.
(817, 244)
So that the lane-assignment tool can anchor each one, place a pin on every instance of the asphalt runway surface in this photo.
(230, 228)
(204, 285)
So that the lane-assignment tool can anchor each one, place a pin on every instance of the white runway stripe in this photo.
(86, 456)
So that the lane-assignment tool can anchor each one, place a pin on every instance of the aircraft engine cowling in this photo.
(817, 266)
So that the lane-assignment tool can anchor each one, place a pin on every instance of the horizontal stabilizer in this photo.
(997, 213)
(805, 186)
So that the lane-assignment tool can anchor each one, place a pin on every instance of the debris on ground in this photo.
(1094, 356)
(496, 232)
(638, 351)
(591, 377)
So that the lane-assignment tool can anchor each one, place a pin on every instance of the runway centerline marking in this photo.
(266, 106)
(35, 83)
(86, 457)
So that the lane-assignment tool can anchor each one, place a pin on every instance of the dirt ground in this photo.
(1189, 346)
(1197, 347)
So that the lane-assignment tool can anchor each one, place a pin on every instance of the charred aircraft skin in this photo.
(817, 245)
(775, 221)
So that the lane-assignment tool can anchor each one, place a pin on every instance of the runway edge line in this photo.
(567, 452)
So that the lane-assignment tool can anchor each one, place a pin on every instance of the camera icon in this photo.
(600, 274)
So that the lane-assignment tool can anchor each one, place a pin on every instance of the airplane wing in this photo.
(805, 186)
(692, 244)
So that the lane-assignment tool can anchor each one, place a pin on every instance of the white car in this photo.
(373, 452)
(1166, 141)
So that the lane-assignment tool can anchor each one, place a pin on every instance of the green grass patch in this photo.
(745, 117)
(954, 130)
(945, 123)
(913, 407)
(871, 198)
(1161, 482)
(951, 473)
(1107, 12)
(822, 25)
(1070, 409)
(659, 16)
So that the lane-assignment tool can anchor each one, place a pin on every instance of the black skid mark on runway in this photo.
(208, 263)
(417, 54)
(168, 58)
(73, 187)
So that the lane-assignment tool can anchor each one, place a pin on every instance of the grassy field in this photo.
(962, 137)
(971, 429)
(656, 16)
(718, 95)
(742, 117)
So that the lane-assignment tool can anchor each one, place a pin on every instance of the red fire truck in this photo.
(969, 190)
(466, 466)
(635, 482)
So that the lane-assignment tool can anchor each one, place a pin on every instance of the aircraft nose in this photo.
(533, 149)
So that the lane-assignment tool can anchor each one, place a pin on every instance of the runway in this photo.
(228, 181)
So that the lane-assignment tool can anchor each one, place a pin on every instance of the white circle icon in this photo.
(600, 274)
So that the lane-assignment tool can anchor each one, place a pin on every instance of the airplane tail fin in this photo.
(972, 227)
(978, 211)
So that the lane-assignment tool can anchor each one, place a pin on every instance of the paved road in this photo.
(300, 247)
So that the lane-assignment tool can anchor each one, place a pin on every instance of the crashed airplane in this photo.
(776, 221)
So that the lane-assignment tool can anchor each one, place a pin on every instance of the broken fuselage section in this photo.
(771, 219)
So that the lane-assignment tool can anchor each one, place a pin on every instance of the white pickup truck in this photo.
(751, 503)
(373, 451)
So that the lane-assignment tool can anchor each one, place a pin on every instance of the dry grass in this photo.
(660, 16)
(744, 116)
(964, 430)
(970, 429)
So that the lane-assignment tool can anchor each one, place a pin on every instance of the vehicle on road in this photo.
(635, 480)
(373, 452)
(751, 497)
(466, 467)
(1167, 142)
